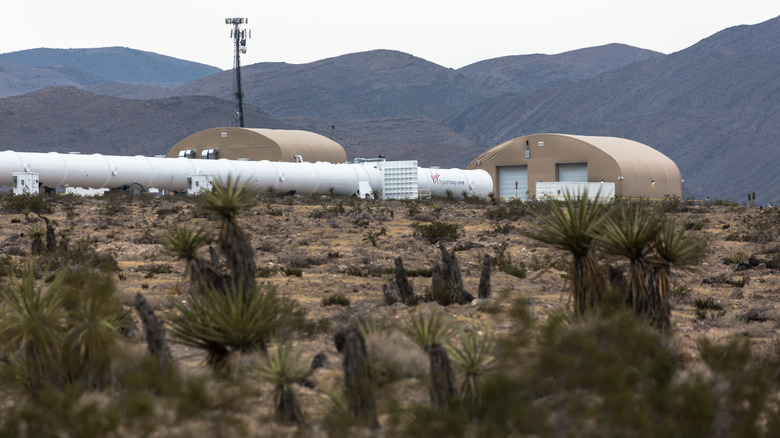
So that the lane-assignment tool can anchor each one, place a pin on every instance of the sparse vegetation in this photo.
(337, 299)
(436, 231)
(534, 367)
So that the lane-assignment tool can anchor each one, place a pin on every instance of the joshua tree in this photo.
(36, 233)
(184, 243)
(357, 375)
(632, 233)
(227, 201)
(283, 368)
(472, 360)
(223, 323)
(674, 246)
(572, 226)
(155, 333)
(651, 246)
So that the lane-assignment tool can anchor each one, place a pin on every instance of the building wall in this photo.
(630, 165)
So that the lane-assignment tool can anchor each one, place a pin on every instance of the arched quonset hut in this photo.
(636, 170)
(259, 144)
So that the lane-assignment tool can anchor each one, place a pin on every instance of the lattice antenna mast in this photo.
(239, 42)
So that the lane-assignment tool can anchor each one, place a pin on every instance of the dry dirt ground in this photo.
(348, 246)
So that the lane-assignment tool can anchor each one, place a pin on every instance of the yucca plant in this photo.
(95, 315)
(33, 329)
(473, 360)
(632, 233)
(425, 329)
(284, 367)
(572, 226)
(370, 326)
(223, 323)
(227, 200)
(674, 247)
(36, 233)
(184, 244)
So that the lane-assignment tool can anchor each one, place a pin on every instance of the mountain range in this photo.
(713, 107)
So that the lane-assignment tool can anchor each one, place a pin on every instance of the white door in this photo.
(513, 182)
(572, 172)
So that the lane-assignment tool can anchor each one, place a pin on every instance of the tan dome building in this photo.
(636, 170)
(259, 144)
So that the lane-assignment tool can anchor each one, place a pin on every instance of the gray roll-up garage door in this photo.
(572, 172)
(513, 182)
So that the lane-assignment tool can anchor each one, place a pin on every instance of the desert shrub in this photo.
(393, 356)
(167, 211)
(670, 204)
(6, 265)
(724, 203)
(547, 262)
(265, 271)
(504, 229)
(420, 272)
(115, 203)
(336, 299)
(579, 380)
(291, 271)
(79, 255)
(272, 210)
(694, 225)
(511, 211)
(436, 231)
(679, 292)
(708, 303)
(24, 204)
(503, 261)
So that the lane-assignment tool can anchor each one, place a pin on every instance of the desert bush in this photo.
(670, 204)
(265, 271)
(547, 261)
(336, 299)
(680, 292)
(420, 272)
(24, 204)
(293, 271)
(436, 231)
(394, 356)
(503, 261)
(81, 255)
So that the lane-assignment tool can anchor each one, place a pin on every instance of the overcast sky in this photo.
(449, 33)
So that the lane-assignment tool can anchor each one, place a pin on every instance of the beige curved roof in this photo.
(636, 169)
(257, 144)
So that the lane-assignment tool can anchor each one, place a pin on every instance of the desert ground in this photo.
(311, 249)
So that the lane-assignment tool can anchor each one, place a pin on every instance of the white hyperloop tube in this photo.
(98, 171)
(475, 182)
(112, 171)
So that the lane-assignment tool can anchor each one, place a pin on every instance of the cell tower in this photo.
(239, 42)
